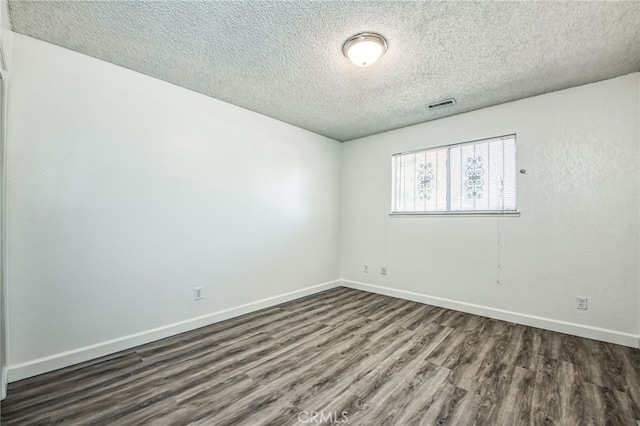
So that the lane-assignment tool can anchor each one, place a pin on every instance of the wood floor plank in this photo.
(461, 351)
(515, 407)
(376, 360)
(455, 342)
(428, 315)
(392, 399)
(202, 376)
(269, 367)
(606, 406)
(100, 374)
(208, 402)
(494, 379)
(558, 395)
(527, 344)
(392, 371)
(602, 365)
(472, 362)
(391, 305)
(413, 396)
(631, 371)
(444, 408)
(329, 379)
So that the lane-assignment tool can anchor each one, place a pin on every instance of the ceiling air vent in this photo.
(441, 104)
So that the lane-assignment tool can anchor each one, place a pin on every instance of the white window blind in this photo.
(477, 176)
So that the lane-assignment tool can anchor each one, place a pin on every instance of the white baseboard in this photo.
(580, 330)
(65, 359)
(3, 372)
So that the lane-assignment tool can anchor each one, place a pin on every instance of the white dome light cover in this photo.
(365, 48)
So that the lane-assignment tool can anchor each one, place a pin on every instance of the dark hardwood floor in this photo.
(350, 357)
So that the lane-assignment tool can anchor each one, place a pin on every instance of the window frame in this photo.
(493, 213)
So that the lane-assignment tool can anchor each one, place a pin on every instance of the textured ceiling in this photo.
(284, 59)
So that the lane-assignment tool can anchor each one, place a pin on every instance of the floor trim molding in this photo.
(580, 330)
(65, 359)
(3, 372)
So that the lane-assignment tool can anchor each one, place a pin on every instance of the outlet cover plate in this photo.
(581, 303)
(197, 293)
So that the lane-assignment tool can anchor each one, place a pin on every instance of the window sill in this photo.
(473, 214)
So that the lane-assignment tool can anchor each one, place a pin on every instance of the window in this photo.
(478, 176)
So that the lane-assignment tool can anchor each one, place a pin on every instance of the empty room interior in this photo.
(314, 212)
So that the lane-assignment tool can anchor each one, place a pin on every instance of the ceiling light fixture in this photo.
(365, 48)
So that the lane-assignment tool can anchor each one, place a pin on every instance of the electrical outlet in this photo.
(197, 293)
(366, 268)
(581, 303)
(383, 270)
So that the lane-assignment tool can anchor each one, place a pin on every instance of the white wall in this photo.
(578, 233)
(125, 192)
